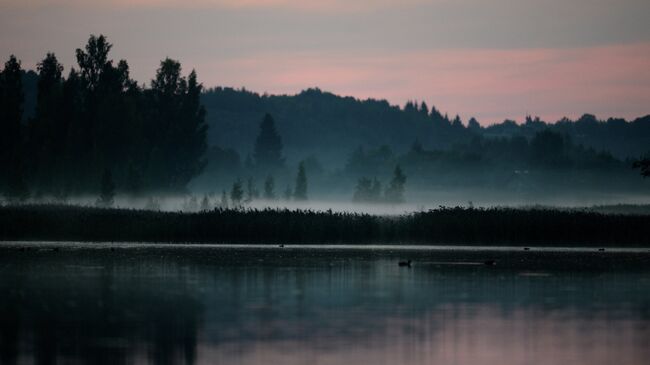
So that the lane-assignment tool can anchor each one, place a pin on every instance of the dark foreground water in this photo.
(112, 304)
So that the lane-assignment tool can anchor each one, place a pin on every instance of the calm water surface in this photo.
(135, 304)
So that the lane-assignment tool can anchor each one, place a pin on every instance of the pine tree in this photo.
(237, 192)
(11, 113)
(47, 131)
(395, 191)
(268, 146)
(179, 119)
(300, 194)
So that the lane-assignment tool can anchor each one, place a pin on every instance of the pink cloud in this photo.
(490, 84)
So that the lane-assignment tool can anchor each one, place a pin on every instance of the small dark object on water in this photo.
(55, 249)
(601, 249)
(112, 249)
(526, 248)
(281, 246)
(22, 249)
(490, 262)
(404, 263)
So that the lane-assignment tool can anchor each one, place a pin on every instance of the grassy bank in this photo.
(495, 226)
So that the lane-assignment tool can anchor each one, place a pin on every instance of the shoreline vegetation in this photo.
(444, 225)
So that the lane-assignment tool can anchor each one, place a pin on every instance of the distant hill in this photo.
(315, 122)
(332, 126)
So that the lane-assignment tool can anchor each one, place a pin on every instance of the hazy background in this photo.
(488, 59)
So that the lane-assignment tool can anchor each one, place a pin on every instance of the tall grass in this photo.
(468, 226)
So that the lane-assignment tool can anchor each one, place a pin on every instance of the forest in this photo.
(97, 132)
(97, 124)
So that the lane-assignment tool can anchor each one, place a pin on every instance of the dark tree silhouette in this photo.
(300, 194)
(93, 61)
(237, 192)
(395, 190)
(268, 146)
(548, 149)
(47, 131)
(12, 180)
(367, 191)
(180, 122)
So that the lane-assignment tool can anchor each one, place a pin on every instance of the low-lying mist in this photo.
(415, 202)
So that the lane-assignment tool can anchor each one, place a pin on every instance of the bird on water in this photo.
(405, 263)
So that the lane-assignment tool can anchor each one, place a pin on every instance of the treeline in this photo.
(546, 150)
(98, 124)
(312, 122)
(495, 226)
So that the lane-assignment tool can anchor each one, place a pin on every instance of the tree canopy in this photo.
(98, 119)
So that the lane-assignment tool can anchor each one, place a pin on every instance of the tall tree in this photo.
(236, 193)
(94, 130)
(47, 130)
(395, 191)
(93, 60)
(300, 193)
(268, 146)
(179, 122)
(11, 114)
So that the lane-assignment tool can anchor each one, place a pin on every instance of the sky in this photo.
(489, 59)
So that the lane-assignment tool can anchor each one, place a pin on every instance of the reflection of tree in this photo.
(101, 318)
(153, 302)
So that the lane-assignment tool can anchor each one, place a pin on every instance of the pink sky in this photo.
(490, 60)
(551, 83)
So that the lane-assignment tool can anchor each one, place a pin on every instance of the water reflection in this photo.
(294, 306)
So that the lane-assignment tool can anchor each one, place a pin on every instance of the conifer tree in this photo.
(11, 114)
(300, 194)
(236, 193)
(268, 146)
(395, 191)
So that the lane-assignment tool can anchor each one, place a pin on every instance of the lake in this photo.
(207, 304)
